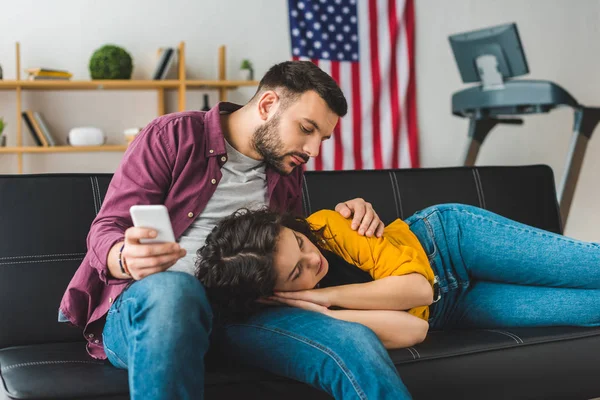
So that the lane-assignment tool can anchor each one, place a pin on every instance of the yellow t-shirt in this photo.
(397, 252)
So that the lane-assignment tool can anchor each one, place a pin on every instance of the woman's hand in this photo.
(305, 305)
(315, 296)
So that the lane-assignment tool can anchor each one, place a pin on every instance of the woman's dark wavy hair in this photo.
(236, 264)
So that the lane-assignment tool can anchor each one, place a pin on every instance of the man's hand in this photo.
(147, 259)
(365, 218)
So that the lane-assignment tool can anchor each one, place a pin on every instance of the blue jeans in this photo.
(159, 330)
(495, 273)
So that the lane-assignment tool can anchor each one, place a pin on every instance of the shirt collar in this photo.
(215, 144)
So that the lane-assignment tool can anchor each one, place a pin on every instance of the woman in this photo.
(448, 266)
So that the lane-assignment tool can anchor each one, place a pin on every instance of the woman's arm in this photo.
(395, 329)
(392, 293)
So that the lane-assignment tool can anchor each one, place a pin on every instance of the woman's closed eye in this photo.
(298, 266)
(298, 273)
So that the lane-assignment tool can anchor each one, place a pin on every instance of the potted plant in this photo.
(246, 70)
(2, 137)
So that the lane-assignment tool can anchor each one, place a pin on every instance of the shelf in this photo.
(63, 149)
(122, 84)
(180, 85)
(91, 85)
(219, 84)
(8, 85)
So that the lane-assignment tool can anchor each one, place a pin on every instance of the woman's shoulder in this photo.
(330, 218)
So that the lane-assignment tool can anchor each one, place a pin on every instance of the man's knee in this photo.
(174, 297)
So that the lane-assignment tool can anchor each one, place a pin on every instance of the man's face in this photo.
(294, 134)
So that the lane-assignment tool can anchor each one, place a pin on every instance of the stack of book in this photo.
(38, 128)
(35, 74)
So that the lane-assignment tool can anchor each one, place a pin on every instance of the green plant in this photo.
(246, 64)
(111, 62)
(2, 125)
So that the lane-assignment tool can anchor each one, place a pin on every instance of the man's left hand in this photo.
(365, 218)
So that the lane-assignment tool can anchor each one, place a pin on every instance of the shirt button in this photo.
(110, 299)
(213, 181)
(223, 158)
(190, 214)
(96, 341)
(91, 335)
(211, 151)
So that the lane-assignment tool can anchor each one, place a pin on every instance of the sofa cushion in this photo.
(474, 364)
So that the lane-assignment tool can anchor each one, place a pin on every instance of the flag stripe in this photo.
(347, 129)
(337, 131)
(395, 103)
(376, 82)
(366, 86)
(411, 104)
(319, 158)
(356, 116)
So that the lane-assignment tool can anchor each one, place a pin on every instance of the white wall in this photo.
(559, 37)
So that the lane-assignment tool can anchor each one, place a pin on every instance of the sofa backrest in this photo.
(44, 221)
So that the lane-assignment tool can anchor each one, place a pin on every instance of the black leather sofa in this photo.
(44, 221)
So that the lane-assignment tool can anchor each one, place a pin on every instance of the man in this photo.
(203, 166)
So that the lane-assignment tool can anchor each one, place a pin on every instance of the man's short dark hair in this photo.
(236, 264)
(298, 77)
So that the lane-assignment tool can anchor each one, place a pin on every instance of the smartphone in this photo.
(155, 217)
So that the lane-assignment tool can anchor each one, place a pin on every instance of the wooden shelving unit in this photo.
(181, 85)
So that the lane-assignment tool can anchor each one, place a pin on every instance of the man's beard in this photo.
(267, 142)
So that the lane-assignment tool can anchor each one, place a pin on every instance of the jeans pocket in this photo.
(114, 359)
(423, 230)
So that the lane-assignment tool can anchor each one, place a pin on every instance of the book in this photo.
(34, 135)
(37, 129)
(164, 62)
(170, 64)
(48, 72)
(47, 78)
(44, 128)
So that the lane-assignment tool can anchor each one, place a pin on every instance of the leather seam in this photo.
(305, 185)
(98, 193)
(28, 364)
(477, 188)
(398, 214)
(43, 255)
(415, 350)
(504, 334)
(94, 195)
(478, 177)
(399, 196)
(38, 261)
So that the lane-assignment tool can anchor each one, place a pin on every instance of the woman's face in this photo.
(298, 262)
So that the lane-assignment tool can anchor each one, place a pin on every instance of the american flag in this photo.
(367, 46)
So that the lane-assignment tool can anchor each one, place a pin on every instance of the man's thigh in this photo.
(342, 358)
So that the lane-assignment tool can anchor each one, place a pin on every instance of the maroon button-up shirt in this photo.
(172, 162)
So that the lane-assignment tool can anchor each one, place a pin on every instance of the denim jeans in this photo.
(159, 330)
(495, 273)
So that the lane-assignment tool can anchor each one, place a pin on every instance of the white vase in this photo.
(245, 74)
